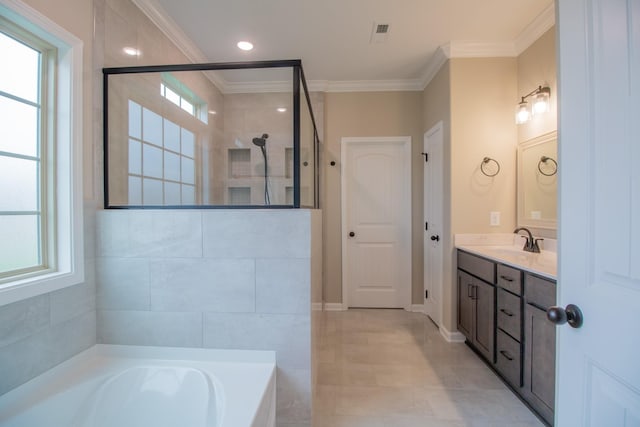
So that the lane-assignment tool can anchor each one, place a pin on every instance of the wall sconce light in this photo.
(539, 104)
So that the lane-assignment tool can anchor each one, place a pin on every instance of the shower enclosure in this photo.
(210, 135)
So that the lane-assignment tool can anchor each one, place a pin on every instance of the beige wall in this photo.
(537, 66)
(482, 124)
(80, 24)
(436, 107)
(368, 114)
(474, 99)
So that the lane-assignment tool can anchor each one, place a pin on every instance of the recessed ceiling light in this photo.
(244, 45)
(131, 51)
(281, 110)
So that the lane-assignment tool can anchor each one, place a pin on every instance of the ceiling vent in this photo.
(380, 33)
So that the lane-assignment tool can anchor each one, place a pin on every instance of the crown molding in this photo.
(258, 87)
(438, 59)
(365, 85)
(469, 49)
(532, 32)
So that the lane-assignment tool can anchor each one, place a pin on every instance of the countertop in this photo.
(507, 249)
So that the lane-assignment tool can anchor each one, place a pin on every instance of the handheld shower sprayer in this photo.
(262, 142)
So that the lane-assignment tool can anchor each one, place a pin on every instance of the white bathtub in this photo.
(132, 386)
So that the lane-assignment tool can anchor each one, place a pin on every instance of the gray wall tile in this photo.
(283, 286)
(23, 318)
(73, 301)
(145, 233)
(33, 355)
(219, 285)
(288, 334)
(123, 283)
(256, 234)
(150, 328)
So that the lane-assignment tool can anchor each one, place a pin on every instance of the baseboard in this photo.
(416, 308)
(333, 306)
(451, 336)
(316, 306)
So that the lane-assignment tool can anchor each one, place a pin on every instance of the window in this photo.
(161, 160)
(181, 96)
(41, 241)
(23, 171)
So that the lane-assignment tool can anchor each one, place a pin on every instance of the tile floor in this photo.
(391, 368)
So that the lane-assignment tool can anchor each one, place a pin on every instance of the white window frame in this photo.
(66, 226)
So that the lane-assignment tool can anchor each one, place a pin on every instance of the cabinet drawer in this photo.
(509, 314)
(508, 359)
(479, 267)
(510, 278)
(538, 291)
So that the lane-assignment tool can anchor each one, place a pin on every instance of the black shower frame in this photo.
(298, 77)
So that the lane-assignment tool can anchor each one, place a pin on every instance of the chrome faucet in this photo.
(531, 244)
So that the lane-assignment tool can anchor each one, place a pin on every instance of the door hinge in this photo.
(426, 294)
(426, 156)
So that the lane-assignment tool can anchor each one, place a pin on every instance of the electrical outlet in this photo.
(494, 218)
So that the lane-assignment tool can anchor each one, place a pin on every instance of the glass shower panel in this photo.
(163, 154)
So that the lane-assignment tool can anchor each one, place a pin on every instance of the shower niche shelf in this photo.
(239, 195)
(239, 161)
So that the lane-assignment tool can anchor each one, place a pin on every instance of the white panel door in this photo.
(433, 216)
(376, 222)
(598, 365)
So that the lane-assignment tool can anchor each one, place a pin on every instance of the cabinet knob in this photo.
(571, 315)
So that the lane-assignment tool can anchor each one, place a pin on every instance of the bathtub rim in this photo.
(67, 373)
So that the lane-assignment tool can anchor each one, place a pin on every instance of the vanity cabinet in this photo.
(476, 302)
(502, 313)
(540, 346)
(509, 325)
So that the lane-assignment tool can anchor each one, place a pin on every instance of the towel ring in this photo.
(487, 160)
(544, 160)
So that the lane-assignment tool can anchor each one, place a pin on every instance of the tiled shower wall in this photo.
(235, 279)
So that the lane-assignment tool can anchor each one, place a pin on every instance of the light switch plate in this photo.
(494, 218)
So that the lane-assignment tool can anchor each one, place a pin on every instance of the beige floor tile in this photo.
(392, 368)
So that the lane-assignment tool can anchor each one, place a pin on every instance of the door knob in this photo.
(435, 238)
(571, 315)
(351, 234)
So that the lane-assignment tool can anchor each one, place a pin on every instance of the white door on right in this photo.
(598, 365)
(433, 218)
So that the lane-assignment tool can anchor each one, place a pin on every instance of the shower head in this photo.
(260, 142)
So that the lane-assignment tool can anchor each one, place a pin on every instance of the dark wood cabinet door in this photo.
(465, 305)
(484, 316)
(539, 361)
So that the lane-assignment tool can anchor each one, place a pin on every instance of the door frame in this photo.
(426, 189)
(405, 142)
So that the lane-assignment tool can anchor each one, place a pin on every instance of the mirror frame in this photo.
(523, 221)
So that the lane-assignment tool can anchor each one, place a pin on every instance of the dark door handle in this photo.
(435, 238)
(507, 312)
(351, 234)
(506, 355)
(571, 315)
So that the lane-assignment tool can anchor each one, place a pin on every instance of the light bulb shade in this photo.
(540, 102)
(522, 112)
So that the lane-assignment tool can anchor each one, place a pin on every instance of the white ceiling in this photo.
(332, 37)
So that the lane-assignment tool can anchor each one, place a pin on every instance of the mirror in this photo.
(537, 182)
